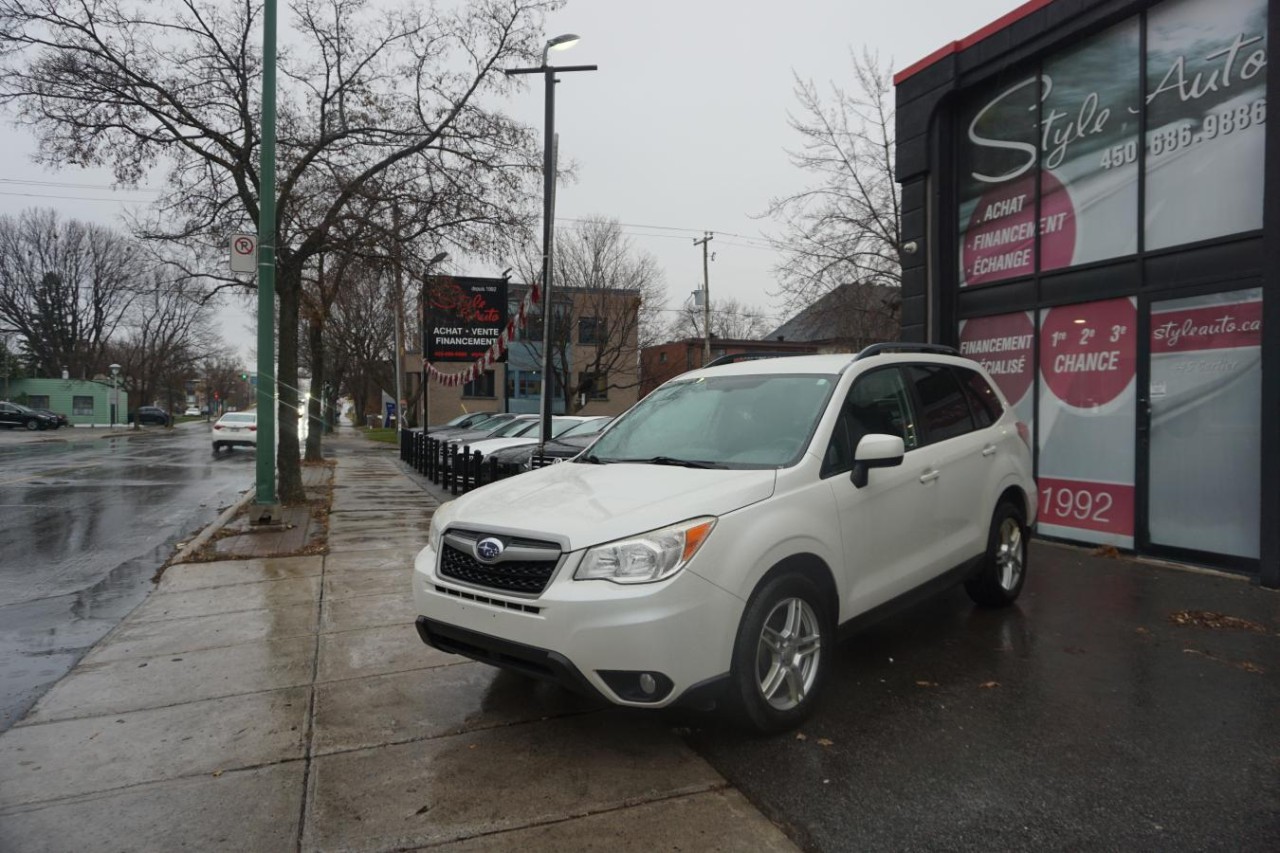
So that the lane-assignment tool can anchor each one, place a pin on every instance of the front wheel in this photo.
(1004, 567)
(32, 425)
(779, 663)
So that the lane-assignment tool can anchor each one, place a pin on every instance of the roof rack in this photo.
(735, 357)
(881, 349)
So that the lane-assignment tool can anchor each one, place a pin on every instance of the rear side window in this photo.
(983, 399)
(943, 407)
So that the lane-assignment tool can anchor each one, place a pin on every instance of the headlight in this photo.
(434, 534)
(648, 557)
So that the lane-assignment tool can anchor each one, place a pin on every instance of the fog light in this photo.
(637, 685)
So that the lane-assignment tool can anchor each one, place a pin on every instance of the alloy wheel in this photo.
(788, 653)
(1009, 554)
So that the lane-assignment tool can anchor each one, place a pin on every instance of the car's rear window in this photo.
(246, 418)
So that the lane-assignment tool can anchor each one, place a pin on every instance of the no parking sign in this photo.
(244, 253)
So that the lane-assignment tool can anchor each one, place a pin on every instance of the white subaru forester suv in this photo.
(708, 547)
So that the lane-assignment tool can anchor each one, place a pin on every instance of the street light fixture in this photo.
(115, 392)
(548, 72)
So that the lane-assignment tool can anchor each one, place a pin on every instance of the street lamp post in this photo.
(265, 491)
(115, 392)
(561, 42)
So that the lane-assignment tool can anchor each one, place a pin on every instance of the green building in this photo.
(84, 401)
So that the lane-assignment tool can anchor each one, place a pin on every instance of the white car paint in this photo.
(908, 525)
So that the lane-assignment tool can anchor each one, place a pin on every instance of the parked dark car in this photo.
(13, 415)
(150, 415)
(62, 419)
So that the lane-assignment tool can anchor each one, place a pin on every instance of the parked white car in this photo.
(707, 547)
(235, 429)
(192, 412)
(527, 432)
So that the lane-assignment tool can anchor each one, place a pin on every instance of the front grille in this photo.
(484, 599)
(527, 576)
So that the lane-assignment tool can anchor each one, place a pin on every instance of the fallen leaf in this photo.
(801, 736)
(926, 684)
(987, 685)
(217, 773)
(1108, 551)
(1250, 666)
(1215, 621)
(822, 741)
(1142, 630)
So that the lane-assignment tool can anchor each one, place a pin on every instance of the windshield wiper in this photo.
(592, 459)
(671, 460)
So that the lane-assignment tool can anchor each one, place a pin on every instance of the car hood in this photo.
(583, 505)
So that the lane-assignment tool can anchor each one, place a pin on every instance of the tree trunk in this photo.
(315, 406)
(289, 489)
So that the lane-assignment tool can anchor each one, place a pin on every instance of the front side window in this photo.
(878, 403)
(761, 421)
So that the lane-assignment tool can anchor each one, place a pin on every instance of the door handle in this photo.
(989, 450)
(930, 475)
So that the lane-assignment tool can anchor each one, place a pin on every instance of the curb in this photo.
(214, 526)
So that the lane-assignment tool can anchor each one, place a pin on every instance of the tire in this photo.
(999, 579)
(32, 425)
(217, 446)
(767, 695)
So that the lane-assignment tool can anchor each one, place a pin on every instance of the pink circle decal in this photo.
(1087, 352)
(1003, 345)
(1000, 241)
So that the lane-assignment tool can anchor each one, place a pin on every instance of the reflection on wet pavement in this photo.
(84, 525)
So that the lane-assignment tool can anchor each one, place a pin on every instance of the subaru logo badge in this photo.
(489, 550)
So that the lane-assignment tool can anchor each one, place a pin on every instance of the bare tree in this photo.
(65, 286)
(166, 338)
(220, 373)
(730, 319)
(845, 227)
(364, 91)
(359, 338)
(608, 298)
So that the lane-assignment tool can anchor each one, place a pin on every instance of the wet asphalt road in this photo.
(1084, 718)
(84, 524)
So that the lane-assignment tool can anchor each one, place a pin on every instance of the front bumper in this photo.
(593, 637)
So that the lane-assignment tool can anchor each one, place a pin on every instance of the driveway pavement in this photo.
(280, 704)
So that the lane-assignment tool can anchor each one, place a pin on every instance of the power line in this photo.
(78, 198)
(73, 185)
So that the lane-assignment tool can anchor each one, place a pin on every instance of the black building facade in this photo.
(1091, 207)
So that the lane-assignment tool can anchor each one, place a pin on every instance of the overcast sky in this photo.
(683, 129)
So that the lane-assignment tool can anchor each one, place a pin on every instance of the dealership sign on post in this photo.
(465, 316)
(244, 253)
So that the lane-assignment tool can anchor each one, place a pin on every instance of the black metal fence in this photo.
(450, 465)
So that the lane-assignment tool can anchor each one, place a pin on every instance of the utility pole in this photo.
(706, 298)
(265, 498)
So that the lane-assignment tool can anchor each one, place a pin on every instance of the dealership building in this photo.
(1087, 211)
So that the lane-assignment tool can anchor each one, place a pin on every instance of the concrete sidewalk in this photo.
(287, 703)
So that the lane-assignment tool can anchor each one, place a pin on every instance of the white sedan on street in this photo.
(235, 429)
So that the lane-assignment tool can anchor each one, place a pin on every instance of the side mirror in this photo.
(876, 451)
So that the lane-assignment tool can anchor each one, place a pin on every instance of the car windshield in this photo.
(760, 421)
(246, 418)
(515, 427)
(590, 427)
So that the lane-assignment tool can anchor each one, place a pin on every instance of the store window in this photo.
(1088, 361)
(481, 386)
(1089, 120)
(590, 330)
(1206, 114)
(81, 405)
(594, 385)
(998, 156)
(1206, 423)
